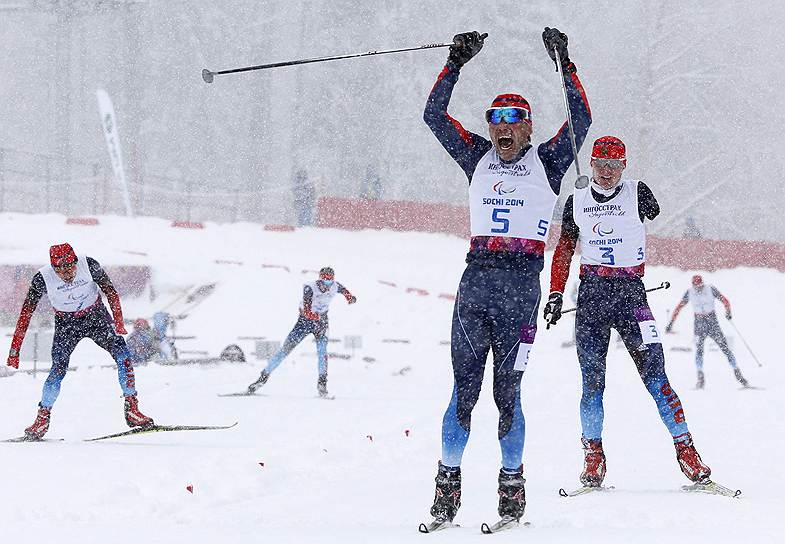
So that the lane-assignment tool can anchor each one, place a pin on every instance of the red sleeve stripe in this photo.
(462, 132)
(560, 267)
(579, 86)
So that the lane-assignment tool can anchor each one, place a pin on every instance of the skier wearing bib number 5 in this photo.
(607, 218)
(513, 187)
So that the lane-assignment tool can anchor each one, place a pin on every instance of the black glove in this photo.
(728, 315)
(465, 46)
(551, 37)
(552, 311)
(668, 328)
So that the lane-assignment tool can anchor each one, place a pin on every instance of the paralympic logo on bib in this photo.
(499, 189)
(597, 229)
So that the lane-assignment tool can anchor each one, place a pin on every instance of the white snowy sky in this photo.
(692, 87)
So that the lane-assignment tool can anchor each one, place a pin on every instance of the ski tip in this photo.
(736, 493)
(207, 76)
(485, 529)
(563, 492)
(423, 528)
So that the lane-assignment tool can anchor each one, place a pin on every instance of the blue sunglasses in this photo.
(509, 115)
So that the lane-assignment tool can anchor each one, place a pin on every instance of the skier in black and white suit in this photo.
(702, 297)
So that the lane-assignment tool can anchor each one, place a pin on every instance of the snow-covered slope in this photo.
(360, 468)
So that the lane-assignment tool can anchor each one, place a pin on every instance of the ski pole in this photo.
(582, 181)
(208, 75)
(744, 342)
(663, 285)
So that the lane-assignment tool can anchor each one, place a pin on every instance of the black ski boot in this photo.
(742, 380)
(263, 377)
(448, 493)
(512, 494)
(701, 380)
(321, 385)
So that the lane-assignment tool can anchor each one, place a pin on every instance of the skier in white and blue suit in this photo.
(313, 319)
(513, 187)
(607, 218)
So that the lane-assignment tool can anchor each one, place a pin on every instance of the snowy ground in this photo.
(360, 468)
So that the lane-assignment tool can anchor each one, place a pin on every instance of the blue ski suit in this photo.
(499, 292)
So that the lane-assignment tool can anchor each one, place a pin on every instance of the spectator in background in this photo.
(371, 186)
(691, 230)
(304, 194)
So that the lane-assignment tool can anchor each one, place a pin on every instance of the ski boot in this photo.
(593, 463)
(742, 380)
(321, 385)
(448, 493)
(38, 429)
(701, 380)
(512, 494)
(133, 417)
(690, 462)
(263, 377)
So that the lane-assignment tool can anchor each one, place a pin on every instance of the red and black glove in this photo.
(312, 316)
(350, 298)
(13, 358)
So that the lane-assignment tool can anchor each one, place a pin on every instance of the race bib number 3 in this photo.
(649, 332)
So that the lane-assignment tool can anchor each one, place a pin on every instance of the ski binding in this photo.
(506, 522)
(436, 525)
(712, 488)
(583, 490)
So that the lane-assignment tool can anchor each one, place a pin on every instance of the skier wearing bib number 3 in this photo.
(607, 218)
(513, 187)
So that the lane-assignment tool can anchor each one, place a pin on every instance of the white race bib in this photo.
(649, 332)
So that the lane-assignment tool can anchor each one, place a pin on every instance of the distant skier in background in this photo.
(72, 284)
(513, 188)
(142, 342)
(313, 319)
(702, 297)
(607, 219)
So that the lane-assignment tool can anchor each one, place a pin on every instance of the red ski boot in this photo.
(593, 463)
(690, 462)
(133, 417)
(38, 429)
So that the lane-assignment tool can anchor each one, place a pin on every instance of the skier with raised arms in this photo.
(513, 187)
(72, 284)
(607, 219)
(313, 319)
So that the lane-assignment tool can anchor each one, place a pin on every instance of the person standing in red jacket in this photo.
(72, 285)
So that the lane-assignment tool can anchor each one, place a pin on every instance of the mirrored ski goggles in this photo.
(509, 115)
(328, 283)
(615, 164)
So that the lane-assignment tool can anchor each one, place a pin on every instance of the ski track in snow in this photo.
(323, 479)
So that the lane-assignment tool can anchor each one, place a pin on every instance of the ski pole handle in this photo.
(663, 285)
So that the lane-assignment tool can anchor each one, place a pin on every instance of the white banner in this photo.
(109, 126)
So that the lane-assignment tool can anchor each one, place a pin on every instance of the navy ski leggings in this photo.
(301, 329)
(69, 331)
(495, 310)
(707, 325)
(620, 303)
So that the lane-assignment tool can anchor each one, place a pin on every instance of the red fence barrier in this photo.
(686, 254)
